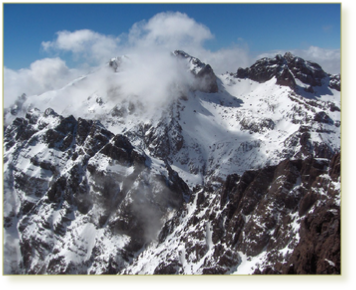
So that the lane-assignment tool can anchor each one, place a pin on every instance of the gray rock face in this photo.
(267, 68)
(306, 71)
(335, 82)
(100, 206)
(264, 185)
(205, 76)
(87, 177)
(268, 214)
(287, 69)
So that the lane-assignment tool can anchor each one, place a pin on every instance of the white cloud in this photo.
(227, 59)
(162, 33)
(43, 75)
(93, 46)
(169, 30)
(151, 72)
(329, 59)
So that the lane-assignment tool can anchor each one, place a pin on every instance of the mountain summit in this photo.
(289, 70)
(194, 173)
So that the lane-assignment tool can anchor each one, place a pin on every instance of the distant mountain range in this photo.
(236, 173)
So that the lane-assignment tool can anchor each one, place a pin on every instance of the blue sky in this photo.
(256, 28)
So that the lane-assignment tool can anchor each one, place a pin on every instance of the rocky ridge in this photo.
(287, 70)
(282, 219)
(224, 179)
(63, 174)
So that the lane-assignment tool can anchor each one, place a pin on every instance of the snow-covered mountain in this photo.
(196, 173)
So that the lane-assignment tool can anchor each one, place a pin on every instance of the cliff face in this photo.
(279, 219)
(72, 188)
(287, 70)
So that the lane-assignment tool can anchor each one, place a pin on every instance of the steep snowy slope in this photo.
(79, 199)
(280, 219)
(234, 124)
(196, 173)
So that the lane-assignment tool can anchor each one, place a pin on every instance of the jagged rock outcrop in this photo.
(286, 218)
(226, 176)
(267, 68)
(306, 71)
(286, 69)
(205, 76)
(335, 82)
(87, 177)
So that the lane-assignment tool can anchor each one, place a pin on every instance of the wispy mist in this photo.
(43, 75)
(148, 70)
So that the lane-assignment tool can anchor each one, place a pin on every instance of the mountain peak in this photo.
(288, 55)
(207, 80)
(286, 69)
(117, 182)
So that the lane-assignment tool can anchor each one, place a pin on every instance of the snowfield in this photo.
(201, 174)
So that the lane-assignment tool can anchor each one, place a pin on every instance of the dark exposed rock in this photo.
(286, 78)
(177, 185)
(335, 82)
(306, 71)
(83, 130)
(318, 251)
(214, 270)
(33, 115)
(84, 184)
(229, 186)
(53, 137)
(116, 153)
(227, 258)
(322, 117)
(307, 202)
(267, 68)
(256, 189)
(67, 125)
(56, 190)
(119, 149)
(286, 69)
(334, 108)
(166, 139)
(289, 210)
(322, 150)
(208, 79)
(205, 76)
(335, 167)
(27, 206)
(118, 112)
(268, 197)
(166, 230)
(49, 112)
(43, 164)
(20, 130)
(257, 125)
(123, 142)
(307, 146)
(168, 268)
(98, 138)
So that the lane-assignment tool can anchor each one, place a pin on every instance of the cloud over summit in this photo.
(43, 75)
(148, 43)
(89, 44)
(169, 30)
